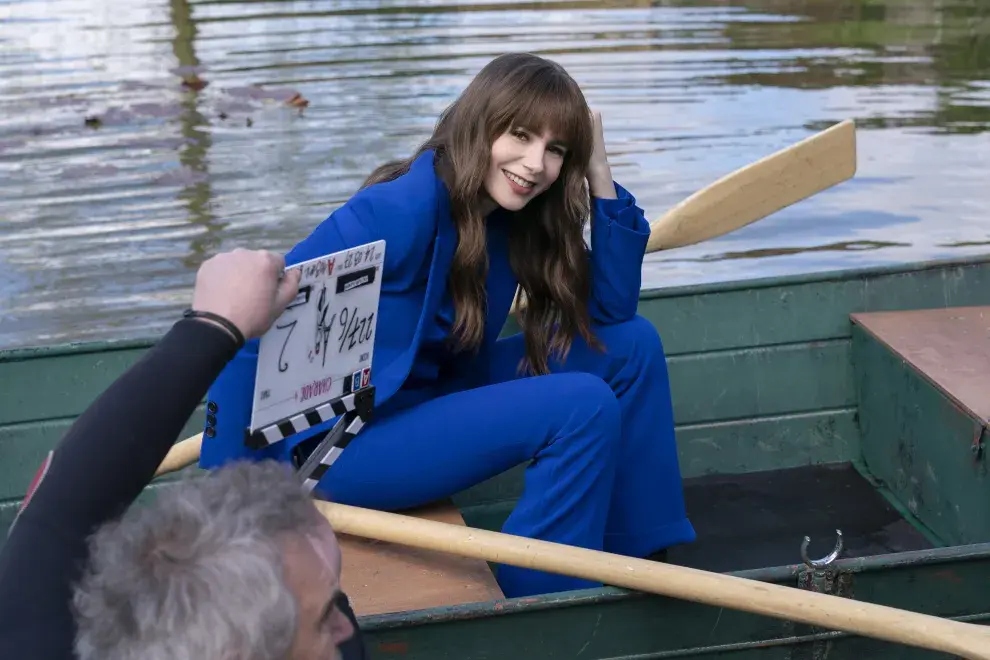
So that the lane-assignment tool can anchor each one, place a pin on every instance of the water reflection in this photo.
(194, 174)
(137, 139)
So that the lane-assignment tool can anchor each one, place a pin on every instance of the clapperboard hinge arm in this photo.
(353, 411)
(332, 446)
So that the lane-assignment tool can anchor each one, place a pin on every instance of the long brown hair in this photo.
(547, 251)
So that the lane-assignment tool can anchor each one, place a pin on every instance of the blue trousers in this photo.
(597, 436)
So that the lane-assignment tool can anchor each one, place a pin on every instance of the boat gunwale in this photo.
(813, 277)
(593, 596)
(653, 293)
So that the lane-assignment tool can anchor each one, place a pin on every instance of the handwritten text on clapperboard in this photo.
(322, 346)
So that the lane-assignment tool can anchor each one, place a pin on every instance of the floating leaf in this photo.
(194, 83)
(297, 101)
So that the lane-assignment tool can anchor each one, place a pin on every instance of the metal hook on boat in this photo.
(827, 559)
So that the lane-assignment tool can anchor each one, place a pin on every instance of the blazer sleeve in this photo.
(619, 233)
(389, 212)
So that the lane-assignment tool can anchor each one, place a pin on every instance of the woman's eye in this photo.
(521, 135)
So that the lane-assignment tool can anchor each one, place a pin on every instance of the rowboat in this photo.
(831, 429)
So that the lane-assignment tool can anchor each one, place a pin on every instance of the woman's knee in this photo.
(636, 339)
(591, 400)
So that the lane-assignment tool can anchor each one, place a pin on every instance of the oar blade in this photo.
(760, 189)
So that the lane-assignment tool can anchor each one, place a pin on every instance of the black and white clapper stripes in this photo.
(269, 435)
(354, 411)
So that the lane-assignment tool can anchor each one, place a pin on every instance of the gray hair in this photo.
(198, 574)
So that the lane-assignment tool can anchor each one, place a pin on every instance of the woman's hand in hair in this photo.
(246, 287)
(599, 172)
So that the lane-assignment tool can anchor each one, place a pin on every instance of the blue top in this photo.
(412, 215)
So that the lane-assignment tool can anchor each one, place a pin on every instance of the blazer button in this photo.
(211, 420)
(211, 406)
(209, 431)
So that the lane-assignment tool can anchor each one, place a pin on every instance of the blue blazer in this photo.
(412, 215)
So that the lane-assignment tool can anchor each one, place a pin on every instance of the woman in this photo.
(497, 198)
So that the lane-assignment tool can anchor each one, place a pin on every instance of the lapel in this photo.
(423, 175)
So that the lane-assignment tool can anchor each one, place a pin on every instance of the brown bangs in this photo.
(546, 100)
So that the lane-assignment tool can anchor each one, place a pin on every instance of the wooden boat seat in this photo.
(381, 577)
(949, 347)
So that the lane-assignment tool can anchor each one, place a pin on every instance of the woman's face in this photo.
(523, 165)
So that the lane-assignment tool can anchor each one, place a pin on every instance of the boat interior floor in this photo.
(747, 521)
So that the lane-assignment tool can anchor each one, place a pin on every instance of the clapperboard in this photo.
(314, 363)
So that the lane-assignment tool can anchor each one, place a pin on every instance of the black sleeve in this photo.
(99, 468)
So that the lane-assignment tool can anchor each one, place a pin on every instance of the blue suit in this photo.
(597, 434)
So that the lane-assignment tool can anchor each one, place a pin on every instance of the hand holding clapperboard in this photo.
(314, 363)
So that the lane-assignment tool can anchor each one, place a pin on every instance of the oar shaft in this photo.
(720, 590)
(830, 612)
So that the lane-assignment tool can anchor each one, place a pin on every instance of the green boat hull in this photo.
(767, 378)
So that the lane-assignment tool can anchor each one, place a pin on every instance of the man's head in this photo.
(238, 565)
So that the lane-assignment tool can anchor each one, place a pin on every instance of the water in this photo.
(117, 180)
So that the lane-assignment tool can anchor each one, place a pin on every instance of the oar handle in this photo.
(182, 454)
(717, 589)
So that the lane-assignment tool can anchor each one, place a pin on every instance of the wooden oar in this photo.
(182, 454)
(829, 612)
(753, 192)
(720, 590)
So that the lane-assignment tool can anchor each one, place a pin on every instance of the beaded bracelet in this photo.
(210, 316)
